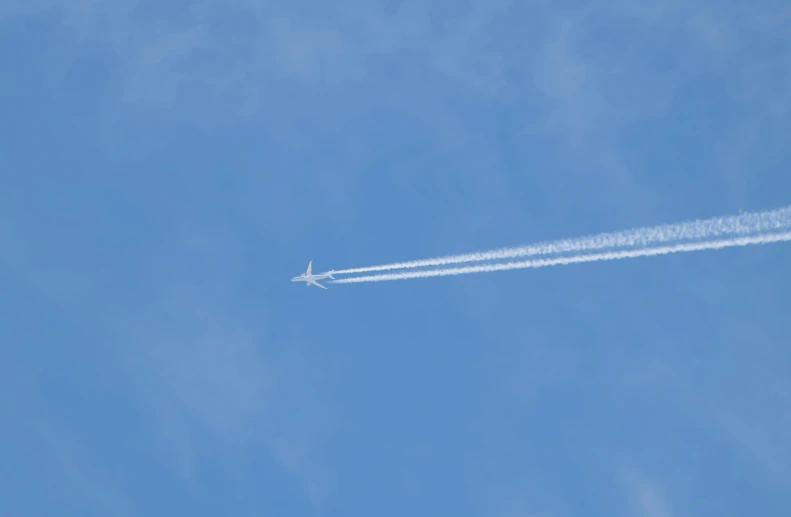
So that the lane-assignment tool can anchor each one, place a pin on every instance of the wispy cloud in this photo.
(210, 376)
(644, 494)
(591, 82)
(766, 448)
(206, 374)
(84, 481)
(65, 470)
(567, 68)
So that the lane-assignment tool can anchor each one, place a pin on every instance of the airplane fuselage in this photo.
(310, 279)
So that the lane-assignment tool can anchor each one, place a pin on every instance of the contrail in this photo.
(730, 226)
(574, 259)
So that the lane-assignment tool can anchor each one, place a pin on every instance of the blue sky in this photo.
(167, 167)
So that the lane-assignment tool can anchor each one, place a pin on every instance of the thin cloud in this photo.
(645, 495)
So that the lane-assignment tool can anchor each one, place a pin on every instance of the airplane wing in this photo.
(316, 283)
(310, 267)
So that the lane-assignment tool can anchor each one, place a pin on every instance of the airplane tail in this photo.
(330, 275)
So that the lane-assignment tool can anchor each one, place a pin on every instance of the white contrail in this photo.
(574, 259)
(718, 227)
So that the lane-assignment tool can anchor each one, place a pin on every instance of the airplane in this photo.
(309, 278)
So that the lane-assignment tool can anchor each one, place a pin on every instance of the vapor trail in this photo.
(730, 226)
(574, 259)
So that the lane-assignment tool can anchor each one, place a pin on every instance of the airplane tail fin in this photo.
(330, 275)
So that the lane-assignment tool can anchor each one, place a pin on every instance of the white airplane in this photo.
(309, 278)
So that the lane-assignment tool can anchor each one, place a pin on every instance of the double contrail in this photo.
(716, 233)
(718, 227)
(574, 259)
